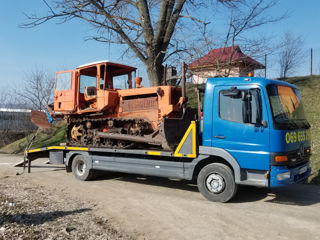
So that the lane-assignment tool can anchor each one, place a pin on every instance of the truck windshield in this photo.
(287, 108)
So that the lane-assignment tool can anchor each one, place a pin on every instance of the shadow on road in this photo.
(43, 168)
(297, 194)
(249, 194)
(37, 218)
(148, 180)
(48, 166)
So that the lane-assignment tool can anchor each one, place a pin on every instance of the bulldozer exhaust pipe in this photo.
(183, 79)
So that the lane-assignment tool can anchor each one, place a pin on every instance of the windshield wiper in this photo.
(286, 123)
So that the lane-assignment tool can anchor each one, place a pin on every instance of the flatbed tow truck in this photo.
(253, 132)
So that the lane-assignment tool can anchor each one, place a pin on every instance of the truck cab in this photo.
(261, 124)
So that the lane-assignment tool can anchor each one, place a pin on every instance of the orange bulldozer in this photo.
(103, 108)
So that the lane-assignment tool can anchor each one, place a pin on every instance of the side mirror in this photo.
(264, 123)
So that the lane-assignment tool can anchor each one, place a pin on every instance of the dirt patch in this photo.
(29, 212)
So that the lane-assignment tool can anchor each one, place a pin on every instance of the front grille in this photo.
(295, 158)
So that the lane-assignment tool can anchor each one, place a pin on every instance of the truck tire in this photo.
(216, 182)
(80, 169)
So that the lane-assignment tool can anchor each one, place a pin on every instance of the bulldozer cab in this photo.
(91, 87)
(98, 83)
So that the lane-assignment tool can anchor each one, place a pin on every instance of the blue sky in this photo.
(55, 47)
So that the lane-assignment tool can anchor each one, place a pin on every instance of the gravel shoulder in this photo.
(34, 212)
(140, 207)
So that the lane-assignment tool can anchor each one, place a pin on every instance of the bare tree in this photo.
(3, 123)
(37, 90)
(129, 22)
(146, 27)
(3, 98)
(156, 30)
(291, 55)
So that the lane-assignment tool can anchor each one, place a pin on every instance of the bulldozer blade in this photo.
(40, 119)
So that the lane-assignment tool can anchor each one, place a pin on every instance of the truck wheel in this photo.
(80, 169)
(216, 182)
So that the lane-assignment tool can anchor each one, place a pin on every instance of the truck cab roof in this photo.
(246, 81)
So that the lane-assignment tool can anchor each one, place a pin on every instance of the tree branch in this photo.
(118, 29)
(173, 21)
(145, 21)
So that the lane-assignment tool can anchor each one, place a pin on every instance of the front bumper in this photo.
(282, 175)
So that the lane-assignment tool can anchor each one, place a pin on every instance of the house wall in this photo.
(199, 77)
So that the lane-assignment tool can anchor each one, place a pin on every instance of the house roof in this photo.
(222, 56)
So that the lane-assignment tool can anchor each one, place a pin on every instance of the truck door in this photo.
(238, 126)
(64, 92)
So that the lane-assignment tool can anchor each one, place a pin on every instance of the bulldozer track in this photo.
(88, 136)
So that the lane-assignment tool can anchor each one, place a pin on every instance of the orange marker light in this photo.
(250, 74)
(281, 158)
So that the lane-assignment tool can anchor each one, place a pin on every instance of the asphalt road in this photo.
(156, 208)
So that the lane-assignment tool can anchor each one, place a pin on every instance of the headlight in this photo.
(283, 176)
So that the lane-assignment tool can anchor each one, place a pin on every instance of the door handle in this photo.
(220, 137)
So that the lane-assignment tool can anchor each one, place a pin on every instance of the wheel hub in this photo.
(215, 183)
(81, 168)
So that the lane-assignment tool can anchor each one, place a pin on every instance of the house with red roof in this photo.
(223, 62)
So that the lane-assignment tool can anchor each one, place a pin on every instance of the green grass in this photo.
(192, 96)
(55, 136)
(310, 93)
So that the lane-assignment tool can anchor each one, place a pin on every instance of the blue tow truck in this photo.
(253, 131)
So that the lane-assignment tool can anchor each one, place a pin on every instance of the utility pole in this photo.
(311, 62)
(265, 65)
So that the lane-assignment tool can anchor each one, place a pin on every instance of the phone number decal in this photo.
(300, 136)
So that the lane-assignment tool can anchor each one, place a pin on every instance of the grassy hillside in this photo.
(55, 136)
(310, 93)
